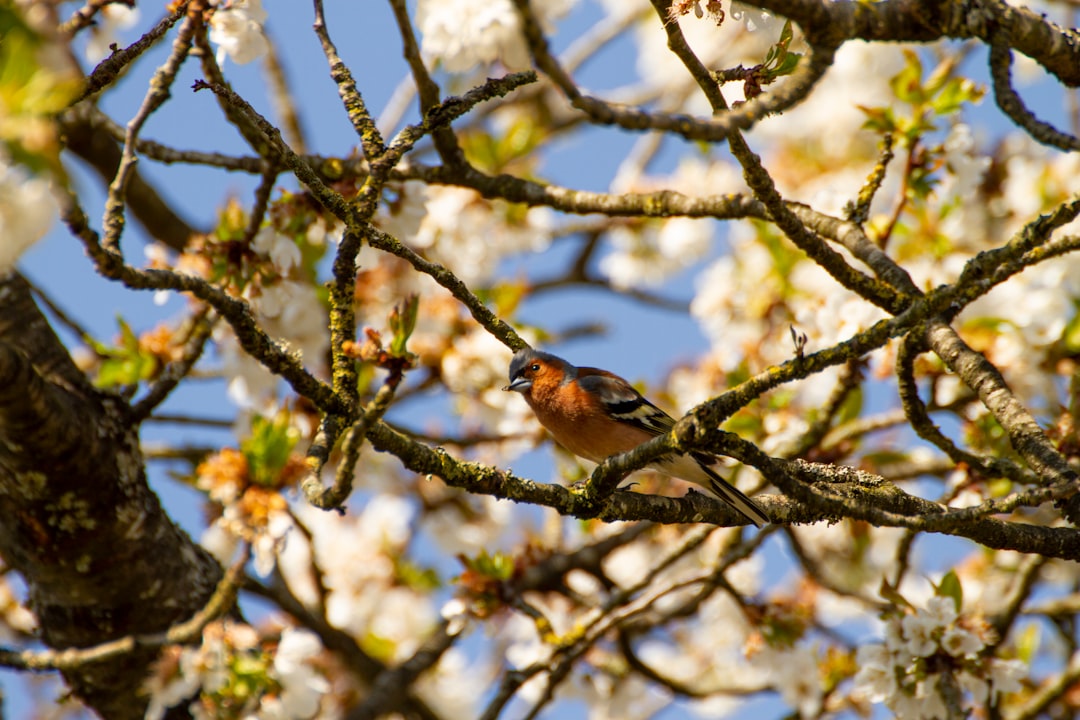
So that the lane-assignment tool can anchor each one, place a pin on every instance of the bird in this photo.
(596, 414)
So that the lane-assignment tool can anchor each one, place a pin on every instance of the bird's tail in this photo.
(733, 497)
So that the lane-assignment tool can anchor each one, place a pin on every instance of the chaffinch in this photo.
(596, 414)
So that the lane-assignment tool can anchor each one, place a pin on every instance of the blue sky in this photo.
(644, 342)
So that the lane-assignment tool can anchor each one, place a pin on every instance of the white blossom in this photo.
(455, 612)
(27, 209)
(966, 168)
(794, 673)
(830, 121)
(220, 543)
(268, 542)
(302, 687)
(166, 692)
(237, 29)
(752, 18)
(960, 642)
(450, 686)
(357, 557)
(465, 33)
(930, 702)
(876, 677)
(922, 628)
(646, 257)
(287, 309)
(458, 533)
(1006, 675)
(625, 698)
(280, 248)
(896, 674)
(732, 293)
(459, 227)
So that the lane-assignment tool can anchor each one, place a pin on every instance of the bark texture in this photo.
(77, 518)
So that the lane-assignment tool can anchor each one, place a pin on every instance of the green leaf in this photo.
(778, 61)
(127, 370)
(954, 94)
(415, 577)
(268, 447)
(126, 364)
(788, 65)
(402, 324)
(32, 92)
(1027, 644)
(232, 222)
(249, 665)
(498, 566)
(1071, 337)
(891, 594)
(505, 297)
(785, 35)
(950, 587)
(879, 119)
(129, 340)
(907, 84)
(379, 647)
(851, 408)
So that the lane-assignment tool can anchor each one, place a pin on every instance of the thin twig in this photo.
(370, 138)
(202, 324)
(108, 70)
(156, 95)
(1011, 104)
(220, 602)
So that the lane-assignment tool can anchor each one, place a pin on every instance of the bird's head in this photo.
(528, 365)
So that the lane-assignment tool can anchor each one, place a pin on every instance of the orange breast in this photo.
(580, 426)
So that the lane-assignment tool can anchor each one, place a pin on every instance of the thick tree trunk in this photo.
(77, 519)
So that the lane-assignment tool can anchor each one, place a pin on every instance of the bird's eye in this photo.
(535, 367)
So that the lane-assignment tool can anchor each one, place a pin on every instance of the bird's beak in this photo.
(520, 385)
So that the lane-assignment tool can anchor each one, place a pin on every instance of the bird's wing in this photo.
(624, 403)
(731, 494)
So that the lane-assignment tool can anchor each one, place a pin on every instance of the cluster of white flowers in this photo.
(693, 652)
(287, 309)
(222, 538)
(829, 122)
(746, 307)
(725, 45)
(1031, 312)
(237, 29)
(866, 554)
(462, 34)
(357, 558)
(291, 688)
(794, 673)
(900, 674)
(650, 255)
(457, 228)
(735, 294)
(279, 247)
(27, 210)
(967, 168)
(647, 254)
